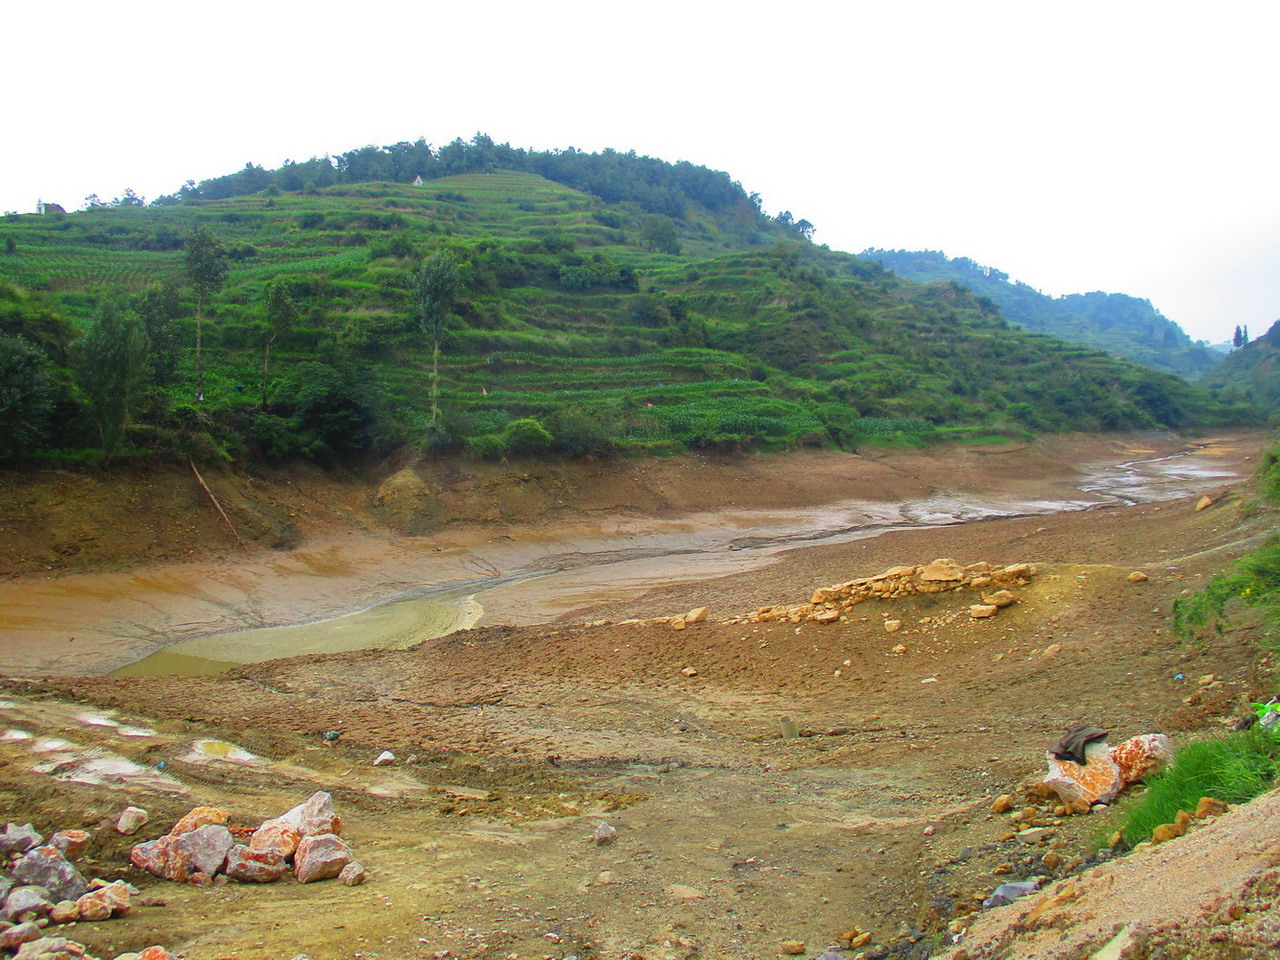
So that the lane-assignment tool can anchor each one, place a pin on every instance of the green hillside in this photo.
(1113, 322)
(1252, 372)
(580, 326)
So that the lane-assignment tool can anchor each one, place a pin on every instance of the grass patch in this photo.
(1233, 768)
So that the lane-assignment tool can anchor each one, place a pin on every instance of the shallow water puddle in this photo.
(206, 751)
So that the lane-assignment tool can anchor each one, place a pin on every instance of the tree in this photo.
(157, 307)
(433, 290)
(26, 396)
(206, 268)
(113, 365)
(805, 229)
(282, 312)
(1237, 339)
(659, 233)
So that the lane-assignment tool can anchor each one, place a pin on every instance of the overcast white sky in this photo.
(1122, 146)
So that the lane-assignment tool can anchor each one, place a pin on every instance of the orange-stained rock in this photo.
(1098, 780)
(275, 836)
(1209, 807)
(192, 857)
(315, 826)
(943, 570)
(199, 817)
(1140, 757)
(1166, 832)
(255, 866)
(65, 911)
(70, 842)
(155, 953)
(113, 898)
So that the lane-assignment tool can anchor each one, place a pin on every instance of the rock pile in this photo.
(828, 604)
(304, 841)
(41, 885)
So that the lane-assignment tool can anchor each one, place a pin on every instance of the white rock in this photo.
(384, 758)
(131, 820)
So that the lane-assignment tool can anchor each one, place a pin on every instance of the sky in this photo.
(1128, 147)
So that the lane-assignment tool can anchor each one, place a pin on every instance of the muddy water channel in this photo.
(372, 592)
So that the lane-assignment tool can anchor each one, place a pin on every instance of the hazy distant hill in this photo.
(1252, 371)
(1119, 324)
(646, 307)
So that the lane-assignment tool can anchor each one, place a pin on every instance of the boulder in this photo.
(317, 806)
(320, 857)
(52, 948)
(27, 899)
(696, 615)
(277, 837)
(384, 758)
(70, 842)
(1140, 757)
(19, 838)
(47, 867)
(604, 834)
(114, 897)
(981, 611)
(131, 820)
(189, 858)
(255, 866)
(353, 874)
(1204, 503)
(199, 817)
(892, 626)
(1138, 577)
(1097, 780)
(16, 936)
(65, 911)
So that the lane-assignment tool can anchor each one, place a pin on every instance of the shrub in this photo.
(526, 435)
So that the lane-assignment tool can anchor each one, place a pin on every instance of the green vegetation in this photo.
(1252, 581)
(1119, 324)
(1233, 768)
(568, 304)
(1251, 372)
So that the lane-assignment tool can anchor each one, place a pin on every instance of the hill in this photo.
(1252, 372)
(580, 325)
(1113, 322)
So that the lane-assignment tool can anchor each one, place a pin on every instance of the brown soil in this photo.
(730, 838)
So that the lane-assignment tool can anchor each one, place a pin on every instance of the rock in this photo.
(47, 867)
(696, 615)
(1209, 807)
(1166, 832)
(1006, 893)
(677, 623)
(28, 899)
(604, 834)
(255, 866)
(1142, 756)
(52, 948)
(892, 626)
(980, 611)
(199, 817)
(65, 911)
(93, 910)
(19, 838)
(1034, 834)
(1204, 503)
(1138, 577)
(70, 842)
(190, 858)
(791, 947)
(899, 648)
(1002, 804)
(276, 837)
(159, 953)
(682, 892)
(131, 820)
(320, 857)
(384, 758)
(1097, 780)
(16, 936)
(113, 896)
(1051, 860)
(312, 817)
(941, 571)
(1001, 599)
(353, 874)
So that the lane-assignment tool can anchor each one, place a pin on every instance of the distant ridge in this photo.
(1114, 322)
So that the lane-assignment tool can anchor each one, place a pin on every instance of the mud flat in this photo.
(363, 591)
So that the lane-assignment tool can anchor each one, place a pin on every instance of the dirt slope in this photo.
(731, 839)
